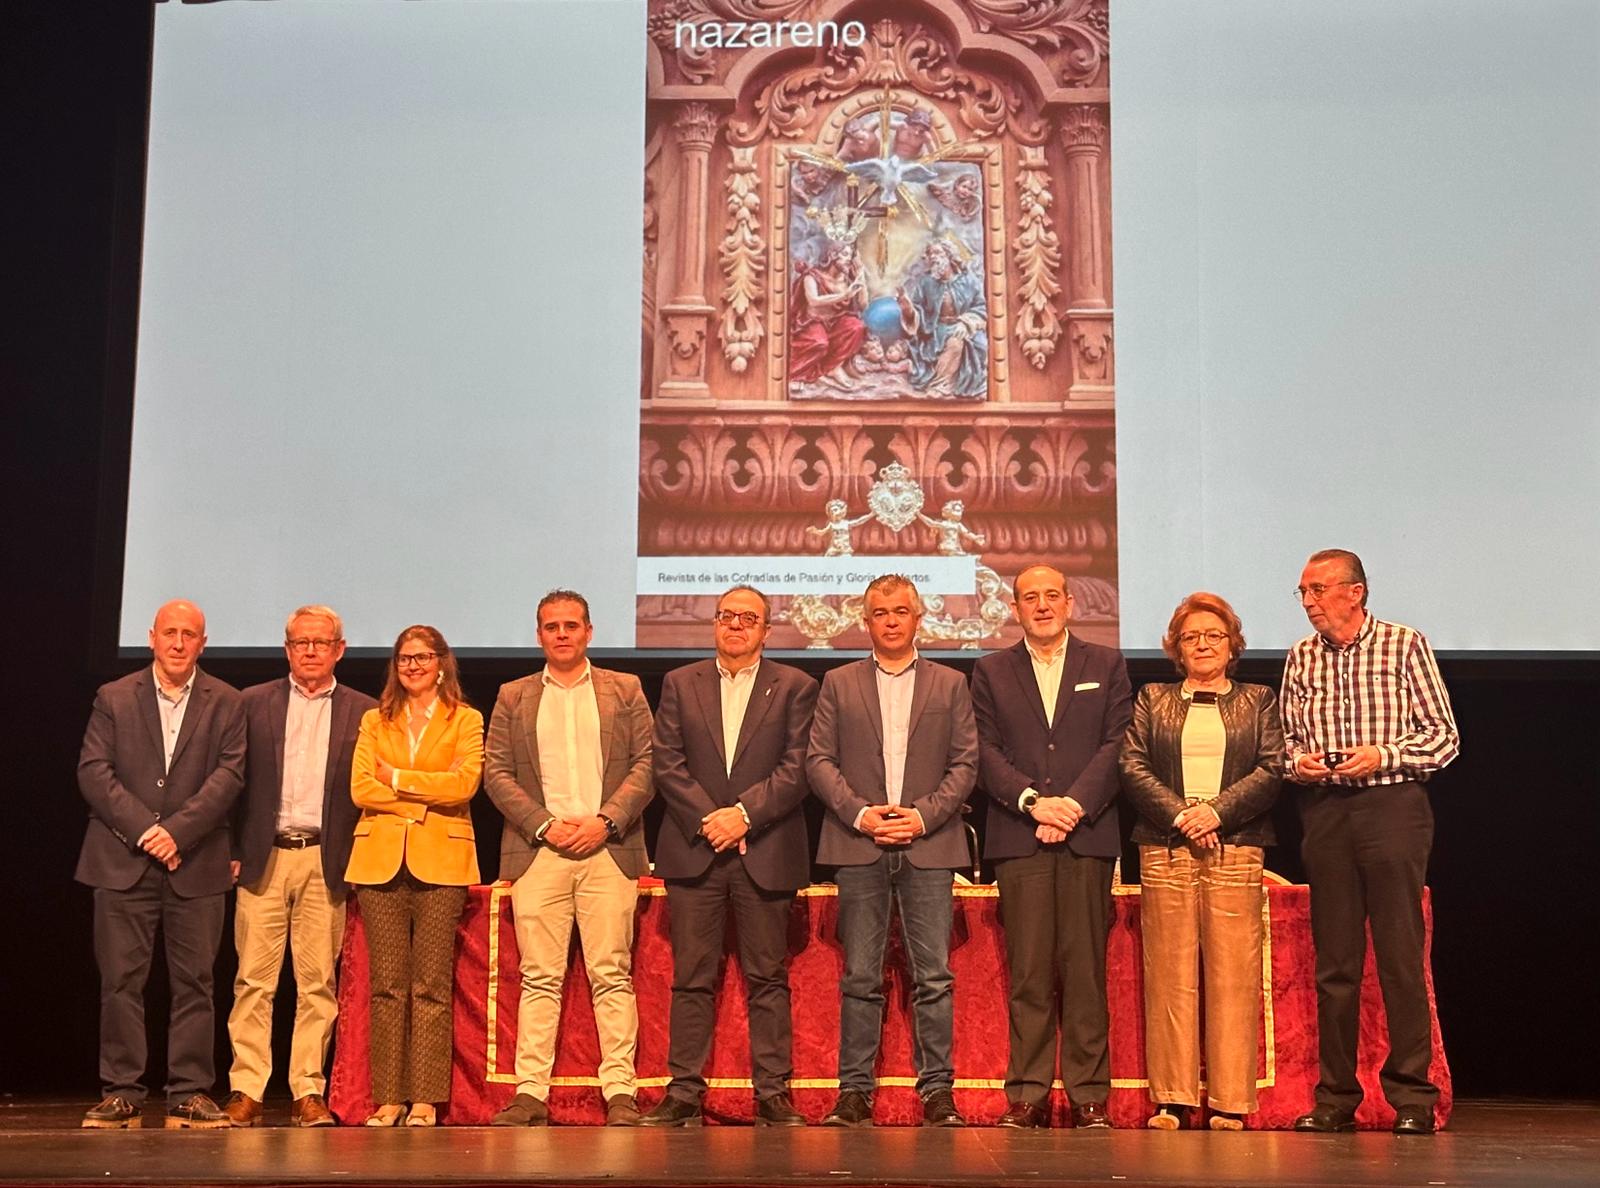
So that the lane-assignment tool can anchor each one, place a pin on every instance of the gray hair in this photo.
(316, 610)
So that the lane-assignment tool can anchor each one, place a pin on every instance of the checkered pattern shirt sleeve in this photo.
(1383, 690)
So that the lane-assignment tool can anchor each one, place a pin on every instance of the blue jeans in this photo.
(926, 913)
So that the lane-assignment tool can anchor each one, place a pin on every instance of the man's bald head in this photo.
(177, 637)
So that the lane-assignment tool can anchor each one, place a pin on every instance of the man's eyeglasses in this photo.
(1316, 590)
(311, 645)
(1190, 638)
(416, 659)
(742, 618)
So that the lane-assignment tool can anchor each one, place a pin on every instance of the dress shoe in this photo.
(1169, 1117)
(422, 1115)
(310, 1110)
(852, 1109)
(778, 1110)
(242, 1109)
(622, 1110)
(525, 1110)
(197, 1112)
(1326, 1119)
(1222, 1120)
(1091, 1115)
(674, 1111)
(1413, 1120)
(1021, 1115)
(388, 1115)
(114, 1113)
(939, 1109)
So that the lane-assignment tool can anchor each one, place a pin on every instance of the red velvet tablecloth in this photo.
(488, 986)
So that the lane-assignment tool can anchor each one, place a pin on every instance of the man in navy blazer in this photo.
(161, 764)
(894, 755)
(1051, 712)
(292, 834)
(729, 757)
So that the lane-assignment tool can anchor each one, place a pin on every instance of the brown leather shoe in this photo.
(310, 1110)
(1022, 1115)
(622, 1110)
(242, 1109)
(1091, 1115)
(114, 1113)
(197, 1112)
(524, 1110)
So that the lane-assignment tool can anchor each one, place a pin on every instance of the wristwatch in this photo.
(1026, 801)
(612, 832)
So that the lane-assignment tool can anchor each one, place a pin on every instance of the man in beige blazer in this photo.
(568, 764)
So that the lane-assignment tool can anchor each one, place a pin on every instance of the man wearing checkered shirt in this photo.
(1366, 722)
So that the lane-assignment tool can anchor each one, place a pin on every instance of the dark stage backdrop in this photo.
(1517, 919)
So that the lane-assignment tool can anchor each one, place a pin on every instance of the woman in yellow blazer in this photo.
(417, 763)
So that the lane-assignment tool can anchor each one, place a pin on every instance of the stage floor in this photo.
(1490, 1143)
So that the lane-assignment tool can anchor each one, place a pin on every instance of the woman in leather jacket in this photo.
(1202, 763)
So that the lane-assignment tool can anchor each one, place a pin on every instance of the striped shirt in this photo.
(1382, 689)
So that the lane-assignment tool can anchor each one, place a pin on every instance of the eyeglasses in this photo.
(311, 645)
(743, 618)
(416, 659)
(1317, 590)
(1189, 638)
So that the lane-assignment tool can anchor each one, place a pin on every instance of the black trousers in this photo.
(1056, 907)
(1366, 856)
(697, 912)
(125, 924)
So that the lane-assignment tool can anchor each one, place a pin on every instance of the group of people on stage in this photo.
(340, 791)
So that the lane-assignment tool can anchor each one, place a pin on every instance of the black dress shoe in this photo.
(778, 1110)
(852, 1109)
(674, 1111)
(939, 1109)
(114, 1113)
(197, 1112)
(1326, 1119)
(1021, 1115)
(1413, 1120)
(1091, 1115)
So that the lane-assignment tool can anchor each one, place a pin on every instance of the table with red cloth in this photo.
(488, 985)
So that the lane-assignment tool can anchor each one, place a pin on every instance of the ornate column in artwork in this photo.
(687, 317)
(1084, 131)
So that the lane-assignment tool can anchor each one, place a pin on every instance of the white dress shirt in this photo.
(172, 707)
(568, 729)
(305, 758)
(735, 688)
(1047, 670)
(1203, 744)
(895, 691)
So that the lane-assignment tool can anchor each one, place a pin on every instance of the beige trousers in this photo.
(290, 904)
(552, 893)
(1202, 904)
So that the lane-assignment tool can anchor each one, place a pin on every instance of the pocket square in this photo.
(1085, 686)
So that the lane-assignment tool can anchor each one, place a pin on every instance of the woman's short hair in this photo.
(1202, 600)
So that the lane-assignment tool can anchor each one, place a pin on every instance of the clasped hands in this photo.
(1200, 824)
(159, 844)
(1359, 762)
(1055, 817)
(724, 828)
(891, 824)
(576, 837)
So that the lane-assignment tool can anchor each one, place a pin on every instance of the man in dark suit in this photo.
(894, 755)
(293, 828)
(1051, 715)
(162, 760)
(729, 756)
(568, 764)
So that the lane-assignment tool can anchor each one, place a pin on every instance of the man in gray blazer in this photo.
(894, 755)
(568, 765)
(162, 760)
(730, 749)
(292, 833)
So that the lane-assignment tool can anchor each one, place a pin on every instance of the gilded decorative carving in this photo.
(1036, 252)
(742, 262)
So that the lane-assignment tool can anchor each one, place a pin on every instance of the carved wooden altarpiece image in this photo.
(877, 315)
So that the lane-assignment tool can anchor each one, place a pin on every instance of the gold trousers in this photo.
(1202, 906)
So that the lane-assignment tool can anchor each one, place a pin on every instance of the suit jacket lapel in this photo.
(1071, 669)
(530, 725)
(1022, 666)
(606, 698)
(278, 710)
(144, 696)
(708, 691)
(431, 734)
(867, 682)
(199, 705)
(920, 691)
(761, 699)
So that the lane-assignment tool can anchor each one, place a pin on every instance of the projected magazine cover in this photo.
(877, 315)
